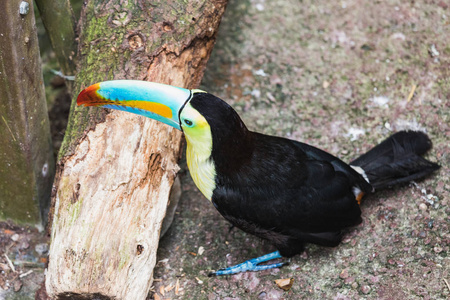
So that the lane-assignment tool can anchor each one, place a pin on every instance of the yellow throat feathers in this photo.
(199, 148)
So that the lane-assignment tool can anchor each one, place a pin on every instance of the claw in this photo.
(251, 265)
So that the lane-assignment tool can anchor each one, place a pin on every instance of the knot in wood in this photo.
(167, 26)
(75, 194)
(135, 41)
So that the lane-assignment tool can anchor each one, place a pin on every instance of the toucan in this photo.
(284, 191)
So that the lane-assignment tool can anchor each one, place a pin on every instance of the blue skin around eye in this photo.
(191, 124)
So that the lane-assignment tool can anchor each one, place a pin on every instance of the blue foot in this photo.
(251, 265)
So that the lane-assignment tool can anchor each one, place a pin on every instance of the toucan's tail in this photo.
(397, 160)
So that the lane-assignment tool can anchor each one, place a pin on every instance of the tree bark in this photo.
(115, 169)
(26, 156)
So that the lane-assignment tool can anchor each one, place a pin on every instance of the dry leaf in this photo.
(161, 290)
(9, 232)
(285, 283)
(169, 288)
(17, 285)
(177, 287)
(156, 296)
(43, 260)
(198, 280)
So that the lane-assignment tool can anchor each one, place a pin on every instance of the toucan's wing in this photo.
(320, 155)
(326, 207)
(284, 189)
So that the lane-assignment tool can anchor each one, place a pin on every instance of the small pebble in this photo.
(423, 207)
(15, 237)
(365, 289)
(344, 274)
(23, 244)
(349, 280)
(41, 249)
(262, 295)
(437, 249)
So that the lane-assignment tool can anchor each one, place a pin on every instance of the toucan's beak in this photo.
(153, 100)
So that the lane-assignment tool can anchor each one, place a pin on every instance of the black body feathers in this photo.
(291, 193)
(283, 194)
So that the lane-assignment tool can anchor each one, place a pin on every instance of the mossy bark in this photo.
(115, 170)
(26, 155)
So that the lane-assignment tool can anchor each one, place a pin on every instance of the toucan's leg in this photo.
(251, 265)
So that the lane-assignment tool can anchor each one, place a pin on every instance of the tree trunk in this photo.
(59, 21)
(26, 154)
(115, 169)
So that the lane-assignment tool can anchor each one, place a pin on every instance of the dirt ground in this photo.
(340, 75)
(23, 256)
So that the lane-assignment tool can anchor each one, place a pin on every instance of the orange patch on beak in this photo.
(89, 96)
(157, 108)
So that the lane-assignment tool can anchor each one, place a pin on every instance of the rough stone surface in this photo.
(337, 75)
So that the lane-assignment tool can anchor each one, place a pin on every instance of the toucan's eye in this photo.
(188, 122)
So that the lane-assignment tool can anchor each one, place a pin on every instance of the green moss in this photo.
(74, 211)
(124, 256)
(16, 182)
(101, 63)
